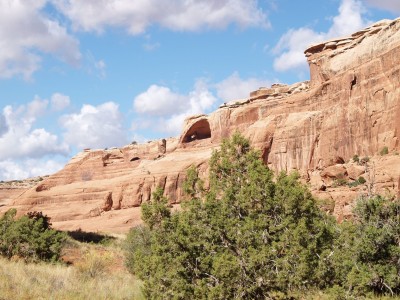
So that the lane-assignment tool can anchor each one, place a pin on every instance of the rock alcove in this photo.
(198, 131)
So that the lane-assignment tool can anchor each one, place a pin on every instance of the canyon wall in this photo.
(351, 106)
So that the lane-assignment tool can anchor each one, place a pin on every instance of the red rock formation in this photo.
(350, 106)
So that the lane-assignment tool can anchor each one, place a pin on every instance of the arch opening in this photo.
(198, 131)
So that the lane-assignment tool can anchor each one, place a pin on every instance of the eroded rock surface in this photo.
(350, 106)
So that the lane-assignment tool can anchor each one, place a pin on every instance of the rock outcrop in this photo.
(351, 106)
(9, 190)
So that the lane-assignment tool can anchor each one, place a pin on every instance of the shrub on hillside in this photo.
(247, 237)
(252, 236)
(384, 151)
(366, 256)
(29, 237)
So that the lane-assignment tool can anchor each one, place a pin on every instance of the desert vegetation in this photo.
(29, 237)
(20, 280)
(38, 262)
(253, 235)
(250, 234)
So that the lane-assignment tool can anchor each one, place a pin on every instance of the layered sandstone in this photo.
(9, 190)
(350, 106)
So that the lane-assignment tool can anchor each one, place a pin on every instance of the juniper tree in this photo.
(249, 236)
(29, 237)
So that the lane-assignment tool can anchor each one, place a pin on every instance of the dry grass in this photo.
(97, 272)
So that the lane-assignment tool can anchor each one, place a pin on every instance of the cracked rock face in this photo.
(350, 106)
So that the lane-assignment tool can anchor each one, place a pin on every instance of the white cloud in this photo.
(179, 15)
(59, 101)
(159, 100)
(12, 170)
(350, 19)
(235, 87)
(167, 110)
(25, 32)
(291, 46)
(95, 127)
(390, 5)
(3, 125)
(22, 140)
(164, 111)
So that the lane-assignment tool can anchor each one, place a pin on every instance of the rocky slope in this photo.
(10, 190)
(351, 106)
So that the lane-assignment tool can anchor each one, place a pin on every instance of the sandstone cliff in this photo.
(350, 106)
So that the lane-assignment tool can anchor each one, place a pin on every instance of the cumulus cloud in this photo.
(12, 170)
(25, 31)
(159, 100)
(3, 125)
(36, 108)
(235, 87)
(390, 5)
(179, 15)
(95, 127)
(349, 19)
(164, 110)
(21, 139)
(59, 101)
(291, 46)
(168, 109)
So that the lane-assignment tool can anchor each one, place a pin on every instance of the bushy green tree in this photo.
(249, 236)
(29, 237)
(367, 252)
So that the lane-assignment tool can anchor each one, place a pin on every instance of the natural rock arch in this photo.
(198, 131)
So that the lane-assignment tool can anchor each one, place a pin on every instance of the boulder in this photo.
(354, 171)
(335, 172)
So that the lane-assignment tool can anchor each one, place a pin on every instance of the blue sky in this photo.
(101, 73)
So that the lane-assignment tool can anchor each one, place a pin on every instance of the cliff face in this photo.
(350, 106)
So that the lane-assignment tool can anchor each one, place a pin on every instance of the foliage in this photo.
(384, 151)
(356, 158)
(29, 237)
(359, 181)
(95, 264)
(249, 236)
(253, 236)
(366, 258)
(339, 182)
(25, 280)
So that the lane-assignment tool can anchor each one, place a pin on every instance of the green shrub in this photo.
(384, 151)
(361, 180)
(366, 257)
(29, 237)
(339, 182)
(253, 236)
(248, 237)
(353, 183)
(356, 159)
